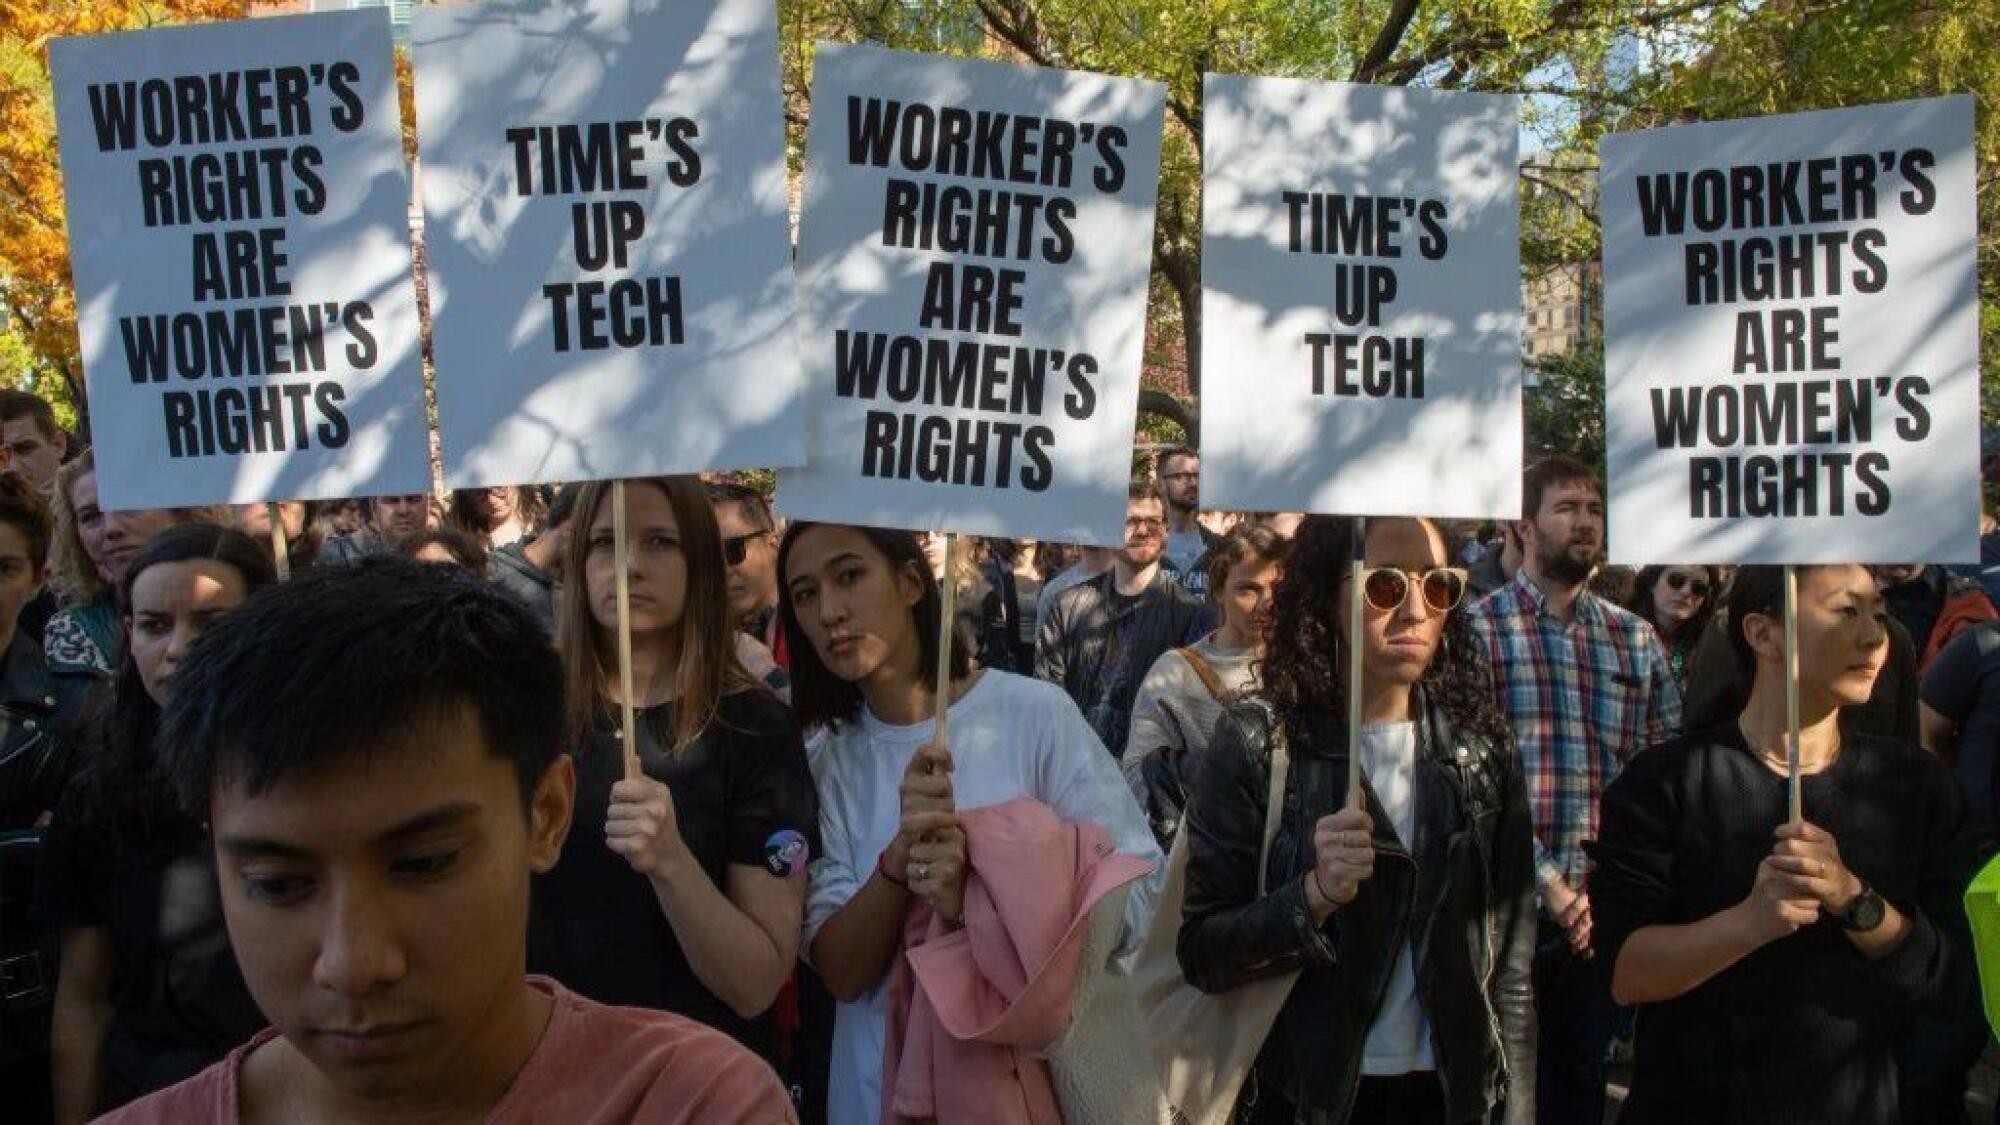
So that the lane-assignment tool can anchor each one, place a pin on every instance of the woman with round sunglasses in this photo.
(1779, 966)
(1678, 601)
(1411, 920)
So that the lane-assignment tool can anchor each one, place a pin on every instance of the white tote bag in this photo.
(1204, 1046)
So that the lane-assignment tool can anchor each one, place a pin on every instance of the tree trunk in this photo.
(1183, 271)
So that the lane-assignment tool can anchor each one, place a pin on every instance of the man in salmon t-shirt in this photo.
(379, 754)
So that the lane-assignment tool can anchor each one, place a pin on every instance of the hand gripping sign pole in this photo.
(1792, 692)
(621, 559)
(1354, 601)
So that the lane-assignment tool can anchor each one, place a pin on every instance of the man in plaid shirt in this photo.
(1587, 686)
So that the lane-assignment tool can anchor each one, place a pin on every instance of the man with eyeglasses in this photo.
(1187, 543)
(1103, 634)
(1586, 685)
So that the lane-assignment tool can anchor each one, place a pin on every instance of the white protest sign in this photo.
(239, 235)
(603, 186)
(1791, 325)
(973, 264)
(1361, 300)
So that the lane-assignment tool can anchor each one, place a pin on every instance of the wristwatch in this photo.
(1864, 912)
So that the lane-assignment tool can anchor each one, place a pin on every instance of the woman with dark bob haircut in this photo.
(861, 608)
(1779, 964)
(149, 992)
(1410, 921)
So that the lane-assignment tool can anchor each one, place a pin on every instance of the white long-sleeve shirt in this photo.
(1010, 736)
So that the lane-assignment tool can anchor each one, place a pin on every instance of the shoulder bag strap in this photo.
(1204, 670)
(1274, 802)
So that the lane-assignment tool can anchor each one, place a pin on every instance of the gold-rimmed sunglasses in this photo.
(1387, 587)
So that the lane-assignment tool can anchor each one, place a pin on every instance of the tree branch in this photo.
(1566, 16)
(1571, 196)
(1015, 25)
(1387, 38)
(1552, 90)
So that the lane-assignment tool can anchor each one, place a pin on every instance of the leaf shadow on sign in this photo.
(397, 399)
(1646, 313)
(858, 281)
(1308, 457)
(620, 411)
(221, 350)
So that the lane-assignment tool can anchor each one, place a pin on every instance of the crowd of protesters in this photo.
(380, 841)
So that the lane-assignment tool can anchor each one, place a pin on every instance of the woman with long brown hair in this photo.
(682, 889)
(1678, 602)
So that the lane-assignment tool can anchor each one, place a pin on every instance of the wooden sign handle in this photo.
(1354, 663)
(281, 551)
(947, 610)
(620, 551)
(1795, 794)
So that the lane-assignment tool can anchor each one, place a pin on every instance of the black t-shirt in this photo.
(742, 794)
(1917, 604)
(1805, 1028)
(178, 998)
(1963, 684)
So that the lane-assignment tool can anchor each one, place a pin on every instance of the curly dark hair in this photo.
(1304, 670)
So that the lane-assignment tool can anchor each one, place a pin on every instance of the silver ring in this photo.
(922, 871)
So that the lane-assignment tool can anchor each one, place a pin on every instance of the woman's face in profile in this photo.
(1843, 632)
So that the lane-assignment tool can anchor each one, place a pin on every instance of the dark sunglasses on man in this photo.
(1387, 588)
(1676, 581)
(736, 548)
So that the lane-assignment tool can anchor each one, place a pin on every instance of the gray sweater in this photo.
(1175, 714)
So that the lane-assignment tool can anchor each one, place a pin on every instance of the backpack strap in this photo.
(1206, 671)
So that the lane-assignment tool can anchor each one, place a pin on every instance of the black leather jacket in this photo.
(1463, 898)
(33, 769)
